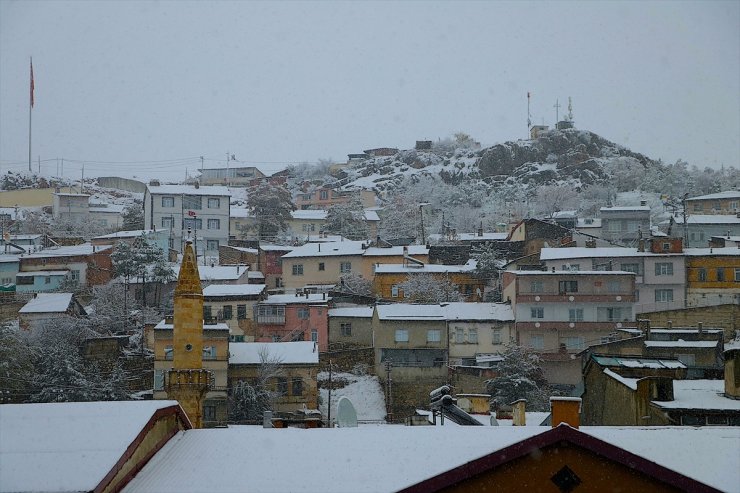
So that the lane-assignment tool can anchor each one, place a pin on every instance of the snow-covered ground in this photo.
(364, 391)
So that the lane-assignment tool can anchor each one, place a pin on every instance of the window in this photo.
(703, 274)
(567, 287)
(663, 295)
(227, 312)
(459, 335)
(537, 287)
(322, 266)
(737, 274)
(720, 274)
(236, 338)
(394, 291)
(297, 387)
(214, 203)
(6, 280)
(282, 385)
(716, 420)
(24, 280)
(214, 224)
(717, 205)
(168, 202)
(308, 228)
(211, 244)
(345, 267)
(666, 247)
(75, 275)
(630, 268)
(402, 335)
(345, 329)
(207, 314)
(664, 269)
(192, 223)
(574, 342)
(241, 312)
(473, 336)
(496, 336)
(209, 352)
(537, 341)
(574, 267)
(276, 338)
(302, 313)
(608, 314)
(192, 202)
(158, 379)
(575, 315)
(614, 286)
(297, 269)
(698, 207)
(537, 312)
(271, 311)
(687, 359)
(434, 335)
(209, 412)
(168, 353)
(47, 280)
(324, 194)
(314, 335)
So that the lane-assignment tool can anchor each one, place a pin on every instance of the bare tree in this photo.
(249, 400)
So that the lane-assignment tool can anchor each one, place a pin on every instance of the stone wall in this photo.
(726, 317)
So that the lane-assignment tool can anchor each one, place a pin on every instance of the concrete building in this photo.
(44, 308)
(700, 228)
(625, 224)
(477, 330)
(389, 277)
(294, 317)
(324, 197)
(321, 263)
(234, 305)
(44, 271)
(160, 238)
(350, 327)
(727, 202)
(72, 207)
(713, 276)
(204, 211)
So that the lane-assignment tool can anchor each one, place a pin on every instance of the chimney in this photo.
(732, 373)
(643, 203)
(553, 269)
(518, 413)
(565, 410)
(197, 185)
(641, 245)
(644, 326)
(670, 324)
(700, 326)
(319, 243)
(323, 296)
(267, 419)
(306, 294)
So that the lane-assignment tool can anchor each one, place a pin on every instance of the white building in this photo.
(202, 210)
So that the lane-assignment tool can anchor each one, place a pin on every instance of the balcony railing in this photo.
(271, 319)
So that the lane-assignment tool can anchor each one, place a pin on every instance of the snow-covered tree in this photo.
(138, 260)
(347, 220)
(248, 400)
(554, 198)
(133, 216)
(16, 363)
(271, 206)
(428, 289)
(519, 376)
(354, 283)
(399, 219)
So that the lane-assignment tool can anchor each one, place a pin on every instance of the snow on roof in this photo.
(336, 248)
(625, 208)
(24, 237)
(354, 311)
(289, 353)
(682, 343)
(629, 382)
(189, 190)
(636, 362)
(478, 311)
(408, 311)
(269, 247)
(396, 251)
(728, 194)
(685, 331)
(599, 252)
(69, 251)
(163, 325)
(233, 290)
(106, 208)
(255, 274)
(706, 252)
(221, 272)
(706, 219)
(571, 272)
(43, 273)
(700, 394)
(245, 250)
(390, 458)
(239, 212)
(10, 258)
(127, 234)
(426, 268)
(48, 303)
(65, 194)
(67, 446)
(289, 299)
(589, 222)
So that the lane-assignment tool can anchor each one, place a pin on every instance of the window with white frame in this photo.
(297, 269)
(575, 314)
(537, 341)
(459, 335)
(324, 194)
(402, 335)
(192, 202)
(168, 202)
(159, 379)
(214, 203)
(537, 312)
(663, 295)
(168, 354)
(664, 268)
(211, 244)
(537, 287)
(631, 267)
(737, 274)
(345, 267)
(346, 329)
(209, 352)
(302, 313)
(574, 342)
(168, 222)
(394, 291)
(473, 336)
(192, 223)
(568, 287)
(496, 334)
(434, 335)
(214, 224)
(314, 335)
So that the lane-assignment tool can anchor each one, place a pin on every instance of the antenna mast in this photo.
(529, 114)
(570, 110)
(557, 113)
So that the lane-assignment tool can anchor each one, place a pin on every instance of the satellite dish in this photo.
(346, 414)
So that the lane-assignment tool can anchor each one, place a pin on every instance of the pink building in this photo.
(294, 317)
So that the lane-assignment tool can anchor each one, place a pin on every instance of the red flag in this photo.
(32, 83)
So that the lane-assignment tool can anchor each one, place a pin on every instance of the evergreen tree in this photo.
(133, 216)
(519, 376)
(271, 206)
(428, 289)
(347, 220)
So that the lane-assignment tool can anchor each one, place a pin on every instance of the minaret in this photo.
(188, 382)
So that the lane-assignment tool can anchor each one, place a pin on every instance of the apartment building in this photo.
(566, 310)
(713, 276)
(202, 212)
(294, 317)
(324, 197)
(72, 207)
(234, 305)
(698, 229)
(315, 264)
(44, 271)
(389, 277)
(625, 224)
(727, 202)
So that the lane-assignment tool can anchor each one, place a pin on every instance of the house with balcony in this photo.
(563, 311)
(389, 277)
(294, 317)
(237, 176)
(317, 264)
(713, 276)
(660, 269)
(727, 202)
(26, 243)
(234, 305)
(45, 270)
(201, 212)
(324, 197)
(296, 385)
(625, 225)
(215, 359)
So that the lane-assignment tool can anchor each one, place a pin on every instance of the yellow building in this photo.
(391, 255)
(389, 277)
(715, 203)
(712, 276)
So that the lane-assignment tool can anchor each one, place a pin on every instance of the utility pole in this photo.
(328, 412)
(30, 111)
(82, 180)
(388, 392)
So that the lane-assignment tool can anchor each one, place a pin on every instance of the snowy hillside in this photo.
(364, 391)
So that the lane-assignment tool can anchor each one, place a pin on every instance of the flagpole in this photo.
(30, 108)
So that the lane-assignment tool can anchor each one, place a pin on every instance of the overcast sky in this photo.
(158, 84)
